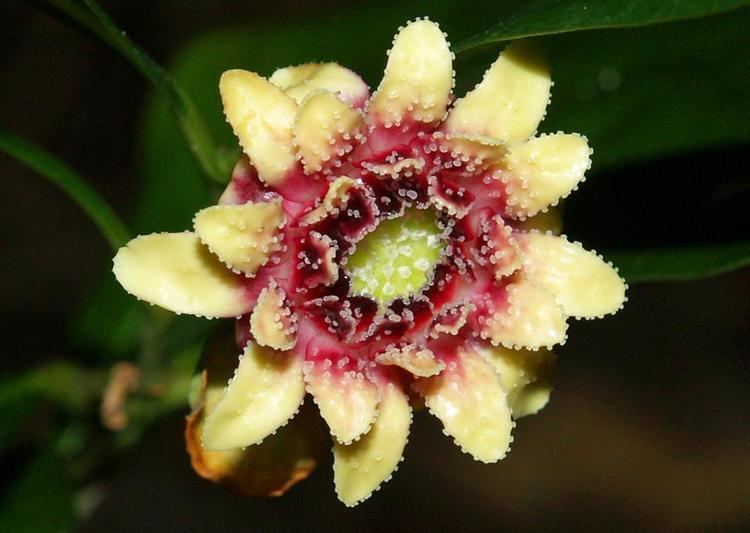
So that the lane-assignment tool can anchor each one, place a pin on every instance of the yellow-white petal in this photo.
(242, 236)
(262, 117)
(469, 400)
(325, 129)
(509, 102)
(347, 400)
(532, 398)
(525, 376)
(175, 271)
(266, 391)
(544, 170)
(532, 319)
(299, 81)
(273, 323)
(418, 77)
(361, 467)
(583, 284)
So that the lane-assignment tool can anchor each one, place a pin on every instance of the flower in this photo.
(379, 251)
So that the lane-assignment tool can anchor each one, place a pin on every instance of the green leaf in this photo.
(40, 499)
(88, 14)
(680, 264)
(651, 92)
(545, 17)
(48, 166)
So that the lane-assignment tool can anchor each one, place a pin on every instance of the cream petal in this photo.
(469, 400)
(242, 236)
(544, 170)
(415, 359)
(361, 467)
(583, 284)
(175, 271)
(301, 80)
(525, 376)
(347, 399)
(532, 319)
(266, 391)
(273, 323)
(531, 399)
(262, 117)
(325, 130)
(418, 77)
(509, 102)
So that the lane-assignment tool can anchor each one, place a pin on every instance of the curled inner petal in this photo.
(418, 360)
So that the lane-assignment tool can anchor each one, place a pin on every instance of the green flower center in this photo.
(396, 258)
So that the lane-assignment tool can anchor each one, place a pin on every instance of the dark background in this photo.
(649, 425)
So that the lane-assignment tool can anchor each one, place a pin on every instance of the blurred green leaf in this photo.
(58, 173)
(680, 264)
(651, 92)
(41, 499)
(108, 322)
(544, 17)
(64, 385)
(89, 15)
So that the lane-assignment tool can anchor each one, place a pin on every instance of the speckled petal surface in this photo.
(418, 77)
(176, 272)
(545, 169)
(266, 391)
(261, 116)
(469, 400)
(532, 319)
(347, 399)
(325, 129)
(299, 81)
(583, 284)
(510, 101)
(242, 236)
(360, 468)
